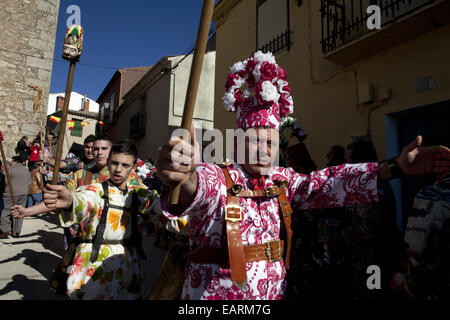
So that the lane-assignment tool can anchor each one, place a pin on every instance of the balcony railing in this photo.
(278, 43)
(346, 20)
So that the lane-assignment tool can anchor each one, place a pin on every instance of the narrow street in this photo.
(27, 262)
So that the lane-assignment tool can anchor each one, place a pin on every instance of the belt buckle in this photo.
(269, 253)
(233, 207)
(269, 193)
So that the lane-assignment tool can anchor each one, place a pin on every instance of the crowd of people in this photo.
(255, 231)
(130, 177)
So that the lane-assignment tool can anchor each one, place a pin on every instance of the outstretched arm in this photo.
(416, 160)
(50, 161)
(17, 211)
(57, 197)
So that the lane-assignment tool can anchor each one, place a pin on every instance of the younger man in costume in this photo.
(237, 214)
(72, 164)
(97, 173)
(107, 263)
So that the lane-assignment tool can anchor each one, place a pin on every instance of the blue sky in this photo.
(118, 34)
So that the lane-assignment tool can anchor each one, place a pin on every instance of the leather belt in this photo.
(271, 251)
(233, 218)
(267, 192)
(237, 254)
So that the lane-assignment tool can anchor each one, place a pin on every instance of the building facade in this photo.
(347, 79)
(111, 97)
(82, 119)
(153, 108)
(27, 45)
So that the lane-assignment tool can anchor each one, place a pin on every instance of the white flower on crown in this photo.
(262, 57)
(228, 101)
(269, 92)
(239, 66)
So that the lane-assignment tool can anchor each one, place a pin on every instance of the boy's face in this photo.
(120, 166)
(89, 150)
(101, 152)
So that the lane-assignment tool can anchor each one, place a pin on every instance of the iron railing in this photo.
(346, 20)
(275, 45)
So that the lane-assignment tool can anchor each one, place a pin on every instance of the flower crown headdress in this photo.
(266, 100)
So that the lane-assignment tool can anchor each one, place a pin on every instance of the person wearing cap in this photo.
(240, 213)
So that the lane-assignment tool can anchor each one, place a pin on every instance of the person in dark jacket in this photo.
(21, 181)
(2, 186)
(23, 148)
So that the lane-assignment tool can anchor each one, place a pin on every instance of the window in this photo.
(273, 31)
(137, 125)
(105, 112)
(111, 99)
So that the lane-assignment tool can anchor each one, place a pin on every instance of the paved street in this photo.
(27, 262)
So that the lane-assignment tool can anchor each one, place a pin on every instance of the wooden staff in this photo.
(73, 43)
(49, 144)
(5, 165)
(63, 122)
(37, 104)
(194, 76)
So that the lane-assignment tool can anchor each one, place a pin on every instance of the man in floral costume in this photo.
(236, 251)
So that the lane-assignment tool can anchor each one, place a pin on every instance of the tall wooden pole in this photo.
(194, 76)
(5, 165)
(63, 122)
(37, 104)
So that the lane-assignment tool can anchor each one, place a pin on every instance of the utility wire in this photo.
(186, 53)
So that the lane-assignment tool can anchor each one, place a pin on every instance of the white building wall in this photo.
(165, 101)
(204, 105)
(76, 102)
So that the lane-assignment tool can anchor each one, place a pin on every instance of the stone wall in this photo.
(27, 43)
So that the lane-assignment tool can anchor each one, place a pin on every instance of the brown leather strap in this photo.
(286, 211)
(233, 218)
(88, 177)
(270, 251)
(267, 192)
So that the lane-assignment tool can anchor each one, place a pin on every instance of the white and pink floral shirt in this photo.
(346, 185)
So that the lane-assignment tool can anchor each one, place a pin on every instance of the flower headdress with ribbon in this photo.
(258, 91)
